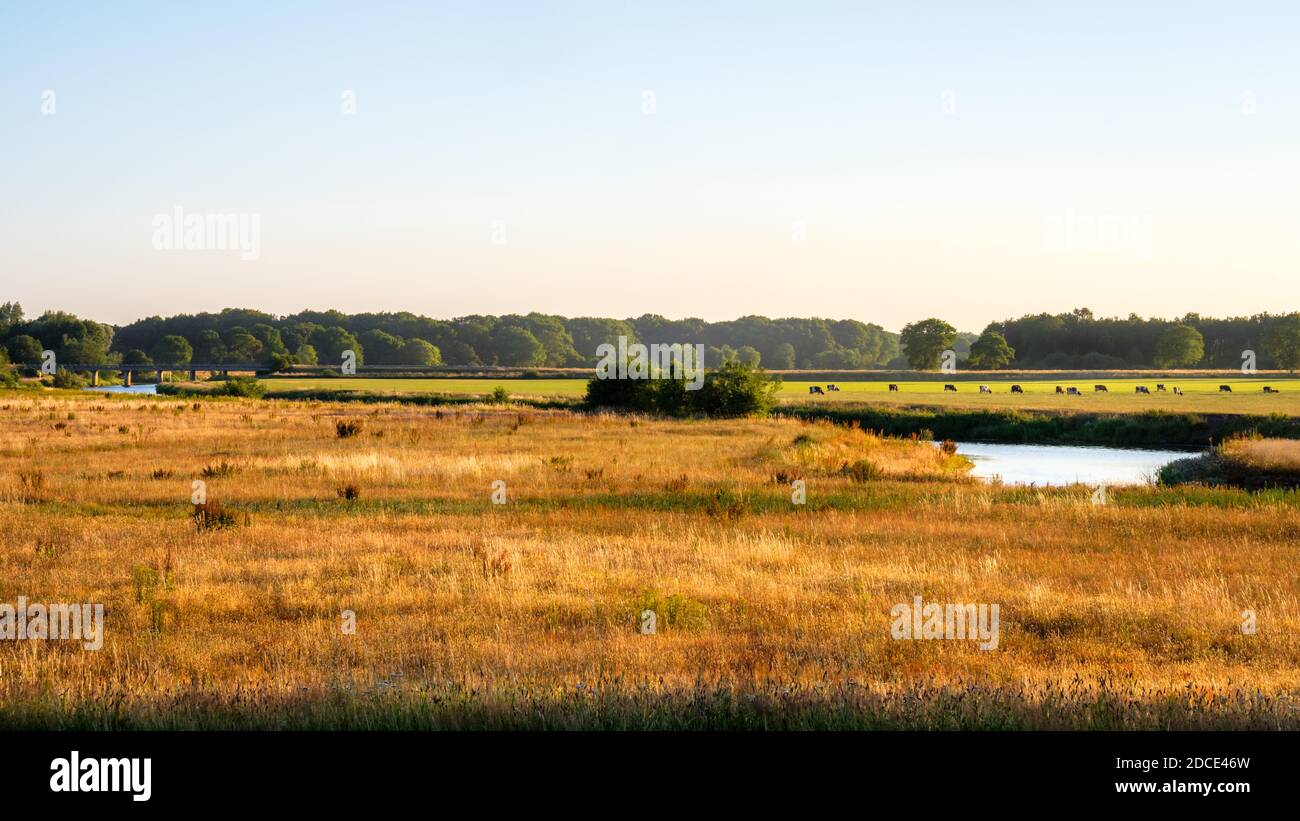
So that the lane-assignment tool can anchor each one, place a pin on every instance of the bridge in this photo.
(127, 371)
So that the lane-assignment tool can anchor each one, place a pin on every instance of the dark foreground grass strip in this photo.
(652, 706)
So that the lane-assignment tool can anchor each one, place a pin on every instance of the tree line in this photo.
(1074, 340)
(1078, 340)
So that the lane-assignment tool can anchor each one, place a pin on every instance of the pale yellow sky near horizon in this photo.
(967, 246)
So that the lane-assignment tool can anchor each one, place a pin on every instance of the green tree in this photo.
(990, 352)
(925, 341)
(1180, 346)
(589, 333)
(11, 314)
(25, 349)
(330, 344)
(783, 357)
(517, 346)
(208, 348)
(1282, 342)
(243, 346)
(382, 348)
(305, 355)
(748, 355)
(420, 353)
(736, 389)
(135, 356)
(173, 350)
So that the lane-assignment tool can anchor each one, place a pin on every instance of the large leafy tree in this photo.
(420, 353)
(589, 333)
(1179, 346)
(382, 348)
(925, 341)
(990, 352)
(25, 349)
(173, 350)
(330, 344)
(1282, 342)
(517, 346)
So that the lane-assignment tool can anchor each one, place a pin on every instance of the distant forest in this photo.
(1050, 341)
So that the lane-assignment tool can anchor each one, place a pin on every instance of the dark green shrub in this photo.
(246, 386)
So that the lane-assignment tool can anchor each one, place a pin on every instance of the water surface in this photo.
(124, 389)
(1066, 464)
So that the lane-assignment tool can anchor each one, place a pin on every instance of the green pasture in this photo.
(1200, 393)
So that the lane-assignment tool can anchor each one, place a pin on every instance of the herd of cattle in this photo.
(1160, 388)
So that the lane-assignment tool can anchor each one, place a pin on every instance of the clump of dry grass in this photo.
(1276, 455)
(211, 515)
(351, 492)
(347, 428)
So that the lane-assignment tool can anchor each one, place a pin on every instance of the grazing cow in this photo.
(985, 389)
(1073, 392)
(1160, 386)
(1059, 389)
(1267, 389)
(1017, 389)
(1178, 391)
(1225, 389)
(1100, 389)
(893, 388)
(814, 389)
(832, 387)
(952, 388)
(1142, 389)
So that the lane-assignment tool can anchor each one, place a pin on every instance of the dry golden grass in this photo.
(1264, 454)
(471, 613)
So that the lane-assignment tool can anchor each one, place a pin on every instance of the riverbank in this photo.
(1249, 463)
(1144, 429)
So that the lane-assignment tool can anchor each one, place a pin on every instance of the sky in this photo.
(878, 161)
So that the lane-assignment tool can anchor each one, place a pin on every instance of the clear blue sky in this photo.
(879, 161)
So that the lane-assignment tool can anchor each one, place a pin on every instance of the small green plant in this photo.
(145, 581)
(727, 507)
(499, 395)
(674, 612)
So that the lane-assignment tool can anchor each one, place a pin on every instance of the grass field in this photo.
(1201, 394)
(527, 613)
